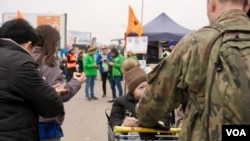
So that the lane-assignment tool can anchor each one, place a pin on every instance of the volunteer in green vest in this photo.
(115, 72)
(168, 51)
(130, 54)
(90, 70)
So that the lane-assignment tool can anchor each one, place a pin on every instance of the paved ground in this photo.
(86, 120)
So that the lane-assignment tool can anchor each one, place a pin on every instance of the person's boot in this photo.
(94, 98)
(111, 100)
(88, 98)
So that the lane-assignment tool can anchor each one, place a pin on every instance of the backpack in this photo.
(228, 80)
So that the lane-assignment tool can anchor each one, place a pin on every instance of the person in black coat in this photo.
(24, 95)
(80, 54)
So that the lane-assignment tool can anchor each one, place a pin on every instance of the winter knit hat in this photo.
(170, 43)
(134, 75)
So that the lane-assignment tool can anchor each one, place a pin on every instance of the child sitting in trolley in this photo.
(123, 108)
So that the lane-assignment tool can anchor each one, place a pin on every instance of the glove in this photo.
(161, 126)
(152, 136)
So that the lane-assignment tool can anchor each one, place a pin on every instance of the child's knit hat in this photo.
(134, 75)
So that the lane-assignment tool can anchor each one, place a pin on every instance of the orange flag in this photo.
(133, 24)
(19, 15)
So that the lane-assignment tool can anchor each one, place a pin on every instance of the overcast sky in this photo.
(107, 19)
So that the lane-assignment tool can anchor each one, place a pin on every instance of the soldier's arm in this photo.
(166, 85)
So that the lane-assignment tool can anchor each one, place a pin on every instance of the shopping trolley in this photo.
(119, 133)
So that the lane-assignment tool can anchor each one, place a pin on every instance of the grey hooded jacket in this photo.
(53, 76)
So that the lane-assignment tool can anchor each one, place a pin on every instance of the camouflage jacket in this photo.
(186, 71)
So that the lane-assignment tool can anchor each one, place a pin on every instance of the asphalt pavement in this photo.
(86, 120)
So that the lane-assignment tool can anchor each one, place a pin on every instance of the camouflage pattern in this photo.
(188, 70)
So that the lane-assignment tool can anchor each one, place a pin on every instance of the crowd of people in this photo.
(107, 62)
(204, 78)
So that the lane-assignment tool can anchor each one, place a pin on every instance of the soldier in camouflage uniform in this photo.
(185, 71)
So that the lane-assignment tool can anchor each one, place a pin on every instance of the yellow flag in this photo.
(134, 24)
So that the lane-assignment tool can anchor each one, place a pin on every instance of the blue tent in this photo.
(163, 28)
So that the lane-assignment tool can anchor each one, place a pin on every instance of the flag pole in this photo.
(142, 5)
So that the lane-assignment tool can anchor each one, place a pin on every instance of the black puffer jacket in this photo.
(126, 103)
(23, 95)
(120, 106)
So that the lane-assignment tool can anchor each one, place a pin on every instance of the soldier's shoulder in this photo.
(204, 32)
(207, 32)
(199, 37)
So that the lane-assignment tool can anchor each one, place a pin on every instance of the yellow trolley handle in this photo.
(121, 129)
